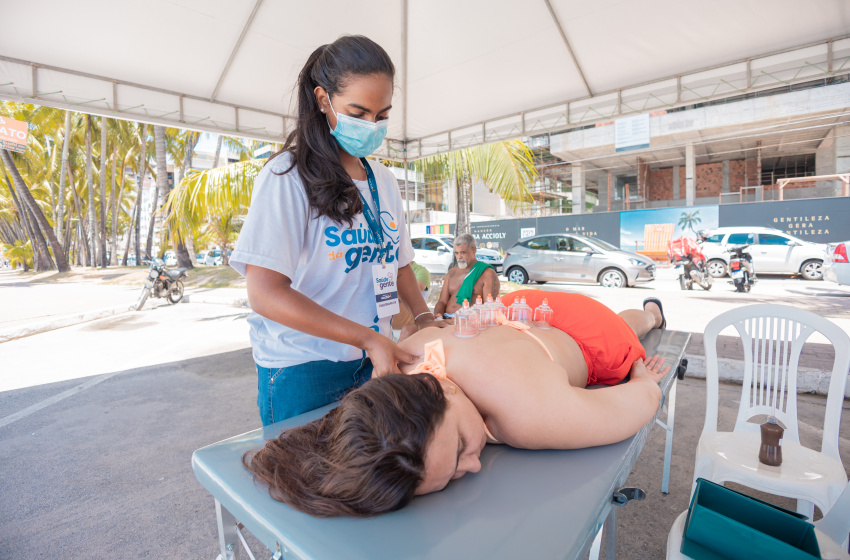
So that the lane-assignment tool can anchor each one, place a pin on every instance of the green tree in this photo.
(507, 168)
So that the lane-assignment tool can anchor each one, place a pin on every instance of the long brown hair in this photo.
(363, 458)
(330, 191)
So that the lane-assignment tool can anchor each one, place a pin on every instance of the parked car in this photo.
(773, 251)
(575, 258)
(202, 257)
(213, 257)
(436, 252)
(836, 267)
(170, 258)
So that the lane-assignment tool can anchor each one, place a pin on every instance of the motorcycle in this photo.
(690, 273)
(161, 282)
(741, 268)
(689, 263)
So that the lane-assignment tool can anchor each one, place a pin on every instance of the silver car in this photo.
(575, 258)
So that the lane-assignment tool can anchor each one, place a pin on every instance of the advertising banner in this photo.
(496, 235)
(13, 135)
(649, 232)
(603, 225)
(819, 220)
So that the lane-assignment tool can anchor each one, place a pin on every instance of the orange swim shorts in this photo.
(608, 343)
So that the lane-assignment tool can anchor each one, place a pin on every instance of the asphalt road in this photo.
(98, 423)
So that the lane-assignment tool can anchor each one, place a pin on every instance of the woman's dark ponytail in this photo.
(330, 191)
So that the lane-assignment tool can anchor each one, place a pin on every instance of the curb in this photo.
(217, 300)
(61, 322)
(809, 380)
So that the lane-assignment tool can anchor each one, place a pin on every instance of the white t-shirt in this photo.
(328, 262)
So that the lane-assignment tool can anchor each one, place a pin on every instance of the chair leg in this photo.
(668, 444)
(806, 508)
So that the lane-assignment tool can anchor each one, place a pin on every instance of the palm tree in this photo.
(212, 198)
(687, 220)
(507, 168)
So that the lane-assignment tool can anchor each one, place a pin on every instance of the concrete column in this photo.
(842, 154)
(725, 187)
(578, 189)
(676, 186)
(690, 176)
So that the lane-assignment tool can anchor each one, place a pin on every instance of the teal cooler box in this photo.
(725, 524)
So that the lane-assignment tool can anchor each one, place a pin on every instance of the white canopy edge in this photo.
(62, 88)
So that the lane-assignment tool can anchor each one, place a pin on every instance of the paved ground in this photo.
(98, 422)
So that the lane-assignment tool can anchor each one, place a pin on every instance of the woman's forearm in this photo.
(271, 295)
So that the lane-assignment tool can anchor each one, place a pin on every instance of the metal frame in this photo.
(743, 76)
(843, 177)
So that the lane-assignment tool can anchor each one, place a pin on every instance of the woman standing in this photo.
(324, 248)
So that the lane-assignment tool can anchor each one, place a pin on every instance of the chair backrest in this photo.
(773, 337)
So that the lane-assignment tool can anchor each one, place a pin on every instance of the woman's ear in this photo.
(321, 98)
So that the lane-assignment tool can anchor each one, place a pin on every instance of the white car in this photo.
(170, 258)
(773, 251)
(836, 266)
(213, 257)
(435, 252)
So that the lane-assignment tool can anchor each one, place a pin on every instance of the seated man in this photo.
(470, 279)
(399, 436)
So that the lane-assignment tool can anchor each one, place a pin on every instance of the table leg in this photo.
(228, 539)
(611, 535)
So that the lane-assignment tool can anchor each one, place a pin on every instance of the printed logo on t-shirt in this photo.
(361, 244)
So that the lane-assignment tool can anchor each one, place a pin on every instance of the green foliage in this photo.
(19, 253)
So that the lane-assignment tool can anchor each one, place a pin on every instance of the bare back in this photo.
(510, 382)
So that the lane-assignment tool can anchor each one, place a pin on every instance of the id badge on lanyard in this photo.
(384, 276)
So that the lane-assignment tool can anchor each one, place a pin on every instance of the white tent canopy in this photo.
(468, 71)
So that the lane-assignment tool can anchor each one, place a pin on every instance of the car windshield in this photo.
(450, 241)
(599, 243)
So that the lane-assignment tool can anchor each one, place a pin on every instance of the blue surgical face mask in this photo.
(358, 137)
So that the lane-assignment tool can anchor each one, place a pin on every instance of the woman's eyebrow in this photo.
(365, 110)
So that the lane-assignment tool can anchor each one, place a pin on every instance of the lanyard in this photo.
(374, 225)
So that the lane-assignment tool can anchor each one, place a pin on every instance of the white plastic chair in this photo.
(773, 337)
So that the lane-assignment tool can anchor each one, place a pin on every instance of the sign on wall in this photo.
(13, 135)
(631, 133)
(649, 231)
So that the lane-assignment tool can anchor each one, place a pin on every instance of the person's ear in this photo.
(321, 98)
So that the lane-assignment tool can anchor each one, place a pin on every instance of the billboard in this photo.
(648, 232)
(13, 135)
(819, 220)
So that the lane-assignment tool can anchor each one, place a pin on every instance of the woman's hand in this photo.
(649, 369)
(386, 355)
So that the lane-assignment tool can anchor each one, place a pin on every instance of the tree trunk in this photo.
(92, 233)
(186, 255)
(103, 201)
(161, 182)
(41, 255)
(60, 198)
(217, 152)
(80, 228)
(113, 257)
(142, 172)
(129, 236)
(26, 195)
(462, 184)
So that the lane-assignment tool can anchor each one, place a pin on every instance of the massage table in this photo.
(522, 504)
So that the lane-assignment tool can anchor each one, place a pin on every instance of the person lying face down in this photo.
(399, 436)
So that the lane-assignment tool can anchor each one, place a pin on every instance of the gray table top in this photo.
(522, 503)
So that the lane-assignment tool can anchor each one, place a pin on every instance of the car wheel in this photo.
(612, 278)
(716, 268)
(518, 275)
(812, 270)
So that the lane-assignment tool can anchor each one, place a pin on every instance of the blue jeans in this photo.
(286, 392)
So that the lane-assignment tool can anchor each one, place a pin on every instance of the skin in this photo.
(488, 283)
(270, 293)
(522, 398)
